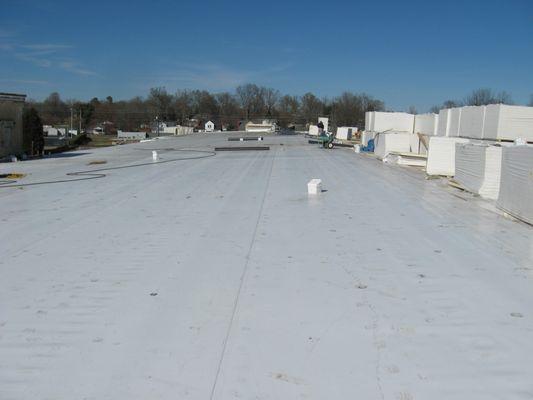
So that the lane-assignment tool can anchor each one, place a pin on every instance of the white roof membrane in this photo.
(221, 278)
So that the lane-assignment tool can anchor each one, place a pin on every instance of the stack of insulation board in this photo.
(448, 124)
(426, 124)
(478, 168)
(493, 122)
(398, 142)
(516, 186)
(503, 122)
(345, 132)
(472, 121)
(441, 155)
(369, 120)
(415, 145)
(377, 121)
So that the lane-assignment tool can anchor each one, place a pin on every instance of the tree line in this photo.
(247, 102)
(479, 97)
(229, 109)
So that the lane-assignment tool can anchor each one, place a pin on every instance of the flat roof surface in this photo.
(220, 278)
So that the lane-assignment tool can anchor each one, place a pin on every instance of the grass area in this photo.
(101, 140)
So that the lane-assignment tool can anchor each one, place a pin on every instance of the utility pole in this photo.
(70, 120)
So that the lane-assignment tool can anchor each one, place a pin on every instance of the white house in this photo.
(209, 126)
(52, 131)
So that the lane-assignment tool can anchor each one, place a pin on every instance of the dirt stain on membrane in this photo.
(280, 376)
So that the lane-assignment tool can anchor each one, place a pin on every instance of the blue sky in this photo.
(403, 52)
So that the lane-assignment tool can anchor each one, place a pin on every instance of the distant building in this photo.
(264, 126)
(49, 130)
(163, 127)
(11, 108)
(209, 126)
(178, 130)
(104, 128)
(131, 135)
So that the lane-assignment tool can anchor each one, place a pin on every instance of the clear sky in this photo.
(403, 52)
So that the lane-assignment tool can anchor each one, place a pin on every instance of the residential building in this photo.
(49, 130)
(209, 126)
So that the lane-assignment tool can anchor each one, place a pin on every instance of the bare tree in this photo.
(349, 108)
(131, 114)
(53, 110)
(368, 103)
(412, 110)
(160, 103)
(346, 109)
(288, 110)
(246, 95)
(228, 109)
(452, 104)
(271, 97)
(530, 100)
(183, 106)
(204, 104)
(480, 97)
(311, 107)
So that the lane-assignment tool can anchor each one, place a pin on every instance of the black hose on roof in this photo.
(97, 173)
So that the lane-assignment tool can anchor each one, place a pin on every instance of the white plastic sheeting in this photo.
(516, 187)
(441, 155)
(472, 121)
(508, 122)
(478, 168)
(386, 143)
(426, 124)
(392, 121)
(412, 160)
